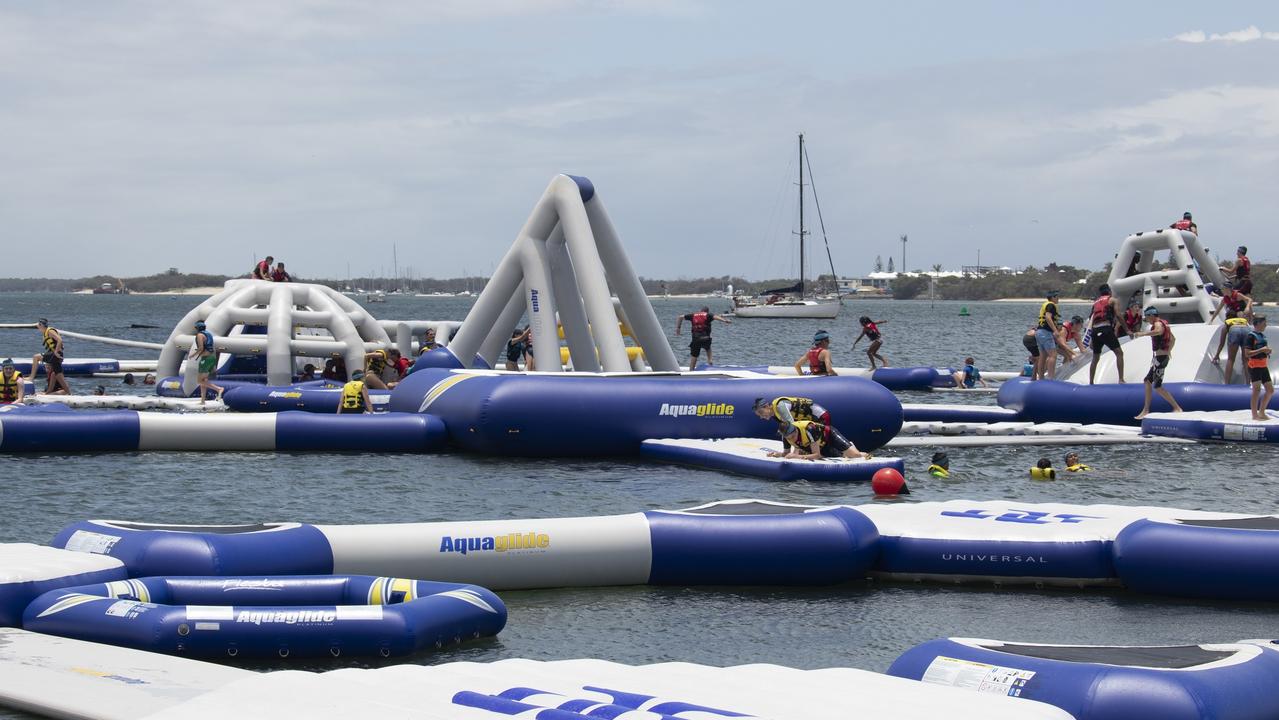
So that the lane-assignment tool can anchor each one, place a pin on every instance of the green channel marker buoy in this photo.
(963, 311)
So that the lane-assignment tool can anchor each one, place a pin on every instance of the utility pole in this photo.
(904, 254)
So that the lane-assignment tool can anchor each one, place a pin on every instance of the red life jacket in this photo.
(1232, 300)
(279, 276)
(1160, 341)
(263, 270)
(1182, 225)
(1102, 312)
(815, 364)
(701, 323)
(1132, 318)
(1243, 268)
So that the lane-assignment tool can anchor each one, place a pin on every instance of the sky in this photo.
(138, 136)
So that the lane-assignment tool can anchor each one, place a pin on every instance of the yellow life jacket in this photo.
(800, 408)
(1044, 313)
(377, 363)
(1236, 321)
(50, 342)
(1078, 468)
(9, 386)
(938, 471)
(809, 430)
(351, 398)
(1039, 473)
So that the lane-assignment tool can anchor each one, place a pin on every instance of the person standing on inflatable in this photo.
(12, 387)
(1238, 307)
(355, 396)
(1258, 352)
(1242, 268)
(1046, 335)
(1185, 223)
(262, 271)
(203, 348)
(818, 356)
(52, 357)
(1161, 341)
(870, 331)
(701, 322)
(1105, 316)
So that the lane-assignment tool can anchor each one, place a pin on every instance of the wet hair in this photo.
(969, 361)
(705, 309)
(1071, 454)
(865, 320)
(940, 458)
(1104, 289)
(1077, 319)
(1242, 249)
(308, 368)
(1044, 463)
(43, 321)
(128, 379)
(357, 374)
(759, 403)
(1258, 320)
(100, 390)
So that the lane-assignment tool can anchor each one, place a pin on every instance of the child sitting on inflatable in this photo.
(969, 376)
(811, 440)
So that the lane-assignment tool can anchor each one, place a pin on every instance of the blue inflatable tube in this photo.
(382, 432)
(54, 431)
(172, 386)
(73, 366)
(1057, 401)
(576, 414)
(1224, 682)
(1237, 426)
(1236, 558)
(263, 549)
(281, 616)
(315, 399)
(838, 545)
(922, 412)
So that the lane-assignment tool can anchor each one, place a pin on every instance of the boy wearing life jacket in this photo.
(12, 386)
(1237, 307)
(969, 376)
(1257, 351)
(818, 356)
(203, 348)
(262, 271)
(786, 410)
(810, 440)
(280, 275)
(1046, 331)
(1105, 316)
(1073, 464)
(870, 331)
(1161, 341)
(428, 342)
(701, 340)
(355, 396)
(52, 357)
(1242, 269)
(1186, 223)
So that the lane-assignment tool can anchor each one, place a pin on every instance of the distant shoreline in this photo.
(1083, 301)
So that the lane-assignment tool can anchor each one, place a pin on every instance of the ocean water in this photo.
(859, 625)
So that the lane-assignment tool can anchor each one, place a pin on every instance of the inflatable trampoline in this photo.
(749, 456)
(53, 428)
(532, 414)
(1226, 426)
(1056, 401)
(1188, 682)
(265, 616)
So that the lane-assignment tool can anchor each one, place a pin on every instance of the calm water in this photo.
(858, 625)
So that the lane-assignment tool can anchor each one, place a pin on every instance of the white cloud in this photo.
(1248, 34)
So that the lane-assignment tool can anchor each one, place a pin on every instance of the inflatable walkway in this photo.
(1224, 426)
(749, 456)
(1056, 401)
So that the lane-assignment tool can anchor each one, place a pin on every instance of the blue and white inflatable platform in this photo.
(270, 616)
(1222, 425)
(28, 571)
(1232, 681)
(749, 456)
(72, 678)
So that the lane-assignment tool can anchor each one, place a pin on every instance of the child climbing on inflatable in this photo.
(870, 331)
(969, 376)
(811, 440)
(1258, 351)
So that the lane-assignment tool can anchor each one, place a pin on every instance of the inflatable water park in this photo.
(173, 617)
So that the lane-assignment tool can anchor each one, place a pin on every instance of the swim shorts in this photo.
(1045, 339)
(698, 344)
(53, 362)
(834, 443)
(207, 363)
(1028, 341)
(1237, 336)
(1259, 374)
(1156, 374)
(1103, 336)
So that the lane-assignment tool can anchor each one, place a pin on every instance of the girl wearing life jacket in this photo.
(374, 364)
(810, 440)
(12, 386)
(262, 271)
(355, 396)
(1105, 315)
(870, 331)
(1236, 306)
(786, 410)
(1161, 342)
(1073, 464)
(818, 356)
(203, 348)
(53, 354)
(1258, 352)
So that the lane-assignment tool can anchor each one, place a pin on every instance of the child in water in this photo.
(1043, 470)
(969, 376)
(870, 331)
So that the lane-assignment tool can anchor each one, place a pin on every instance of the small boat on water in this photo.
(793, 301)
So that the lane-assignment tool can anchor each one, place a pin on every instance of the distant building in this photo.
(984, 270)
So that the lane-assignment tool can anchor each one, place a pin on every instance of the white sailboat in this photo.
(793, 302)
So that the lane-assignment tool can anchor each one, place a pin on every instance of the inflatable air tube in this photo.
(748, 456)
(171, 387)
(576, 414)
(129, 430)
(1234, 558)
(731, 543)
(28, 571)
(73, 366)
(1118, 404)
(915, 378)
(1223, 426)
(263, 398)
(281, 616)
(1224, 682)
(920, 412)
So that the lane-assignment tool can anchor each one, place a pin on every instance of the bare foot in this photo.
(1142, 415)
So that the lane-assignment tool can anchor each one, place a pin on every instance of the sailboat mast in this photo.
(801, 214)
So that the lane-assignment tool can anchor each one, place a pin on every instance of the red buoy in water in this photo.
(887, 481)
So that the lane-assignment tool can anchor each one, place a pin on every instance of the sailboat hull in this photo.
(796, 309)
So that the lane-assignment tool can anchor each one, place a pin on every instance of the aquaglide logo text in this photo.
(702, 410)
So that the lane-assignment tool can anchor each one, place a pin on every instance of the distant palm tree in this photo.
(937, 268)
